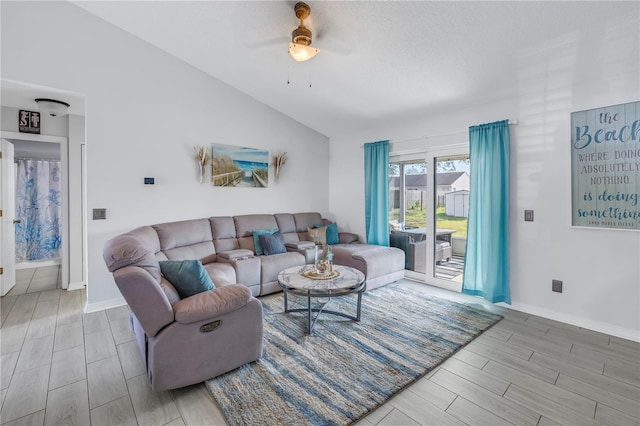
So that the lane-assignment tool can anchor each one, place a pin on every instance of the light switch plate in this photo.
(99, 214)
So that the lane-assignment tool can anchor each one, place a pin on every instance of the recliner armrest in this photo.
(297, 245)
(212, 303)
(347, 237)
(235, 254)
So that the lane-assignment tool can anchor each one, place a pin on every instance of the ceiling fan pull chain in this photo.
(309, 76)
(288, 74)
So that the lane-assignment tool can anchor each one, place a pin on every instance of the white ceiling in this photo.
(378, 60)
(21, 95)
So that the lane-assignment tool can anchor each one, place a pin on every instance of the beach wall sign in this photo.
(605, 167)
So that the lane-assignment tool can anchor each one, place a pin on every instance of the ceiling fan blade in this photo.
(278, 41)
(332, 44)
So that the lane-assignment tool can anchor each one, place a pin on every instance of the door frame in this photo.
(64, 189)
(429, 154)
(8, 225)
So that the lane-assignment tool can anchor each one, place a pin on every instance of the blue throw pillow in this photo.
(272, 243)
(187, 276)
(256, 238)
(332, 233)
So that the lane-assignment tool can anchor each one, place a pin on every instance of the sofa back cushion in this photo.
(305, 221)
(187, 239)
(287, 227)
(245, 224)
(223, 230)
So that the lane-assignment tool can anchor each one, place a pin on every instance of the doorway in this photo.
(35, 210)
(428, 209)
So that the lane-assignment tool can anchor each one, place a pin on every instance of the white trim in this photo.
(76, 286)
(613, 330)
(105, 304)
(30, 264)
(32, 137)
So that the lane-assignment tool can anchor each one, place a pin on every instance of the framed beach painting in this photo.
(236, 166)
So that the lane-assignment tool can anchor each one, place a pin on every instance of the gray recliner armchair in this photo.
(183, 341)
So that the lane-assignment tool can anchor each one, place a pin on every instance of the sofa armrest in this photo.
(347, 237)
(297, 245)
(212, 303)
(235, 254)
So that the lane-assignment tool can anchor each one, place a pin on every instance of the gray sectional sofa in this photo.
(216, 331)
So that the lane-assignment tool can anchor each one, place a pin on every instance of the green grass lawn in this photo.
(418, 218)
(451, 222)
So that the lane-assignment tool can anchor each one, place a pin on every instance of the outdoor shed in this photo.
(456, 203)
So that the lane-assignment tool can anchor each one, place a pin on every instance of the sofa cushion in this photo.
(212, 304)
(187, 239)
(272, 243)
(188, 277)
(223, 231)
(307, 220)
(317, 235)
(287, 227)
(256, 238)
(347, 237)
(272, 265)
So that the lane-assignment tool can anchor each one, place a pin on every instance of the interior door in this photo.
(8, 209)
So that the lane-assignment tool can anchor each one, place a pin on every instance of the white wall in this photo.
(145, 112)
(600, 268)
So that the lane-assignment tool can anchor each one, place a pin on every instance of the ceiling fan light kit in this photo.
(301, 53)
(52, 107)
(300, 47)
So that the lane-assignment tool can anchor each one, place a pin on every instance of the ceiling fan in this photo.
(300, 47)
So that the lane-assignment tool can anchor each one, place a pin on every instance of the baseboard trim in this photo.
(105, 304)
(601, 327)
(76, 286)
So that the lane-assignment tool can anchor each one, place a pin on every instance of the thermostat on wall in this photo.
(149, 181)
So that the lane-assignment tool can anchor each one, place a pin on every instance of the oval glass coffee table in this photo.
(303, 281)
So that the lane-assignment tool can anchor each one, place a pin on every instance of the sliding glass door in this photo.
(408, 211)
(428, 210)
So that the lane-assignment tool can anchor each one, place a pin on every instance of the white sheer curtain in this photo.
(38, 209)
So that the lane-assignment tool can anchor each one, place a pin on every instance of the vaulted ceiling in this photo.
(378, 60)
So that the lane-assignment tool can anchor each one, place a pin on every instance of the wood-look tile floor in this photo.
(60, 366)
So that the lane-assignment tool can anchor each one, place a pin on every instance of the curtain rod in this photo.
(511, 123)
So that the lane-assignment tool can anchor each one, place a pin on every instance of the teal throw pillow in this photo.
(256, 238)
(332, 233)
(272, 243)
(187, 276)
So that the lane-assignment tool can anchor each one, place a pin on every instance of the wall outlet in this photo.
(556, 285)
(528, 215)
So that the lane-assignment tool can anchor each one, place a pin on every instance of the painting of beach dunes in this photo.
(239, 166)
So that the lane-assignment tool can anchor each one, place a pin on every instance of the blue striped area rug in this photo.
(345, 369)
